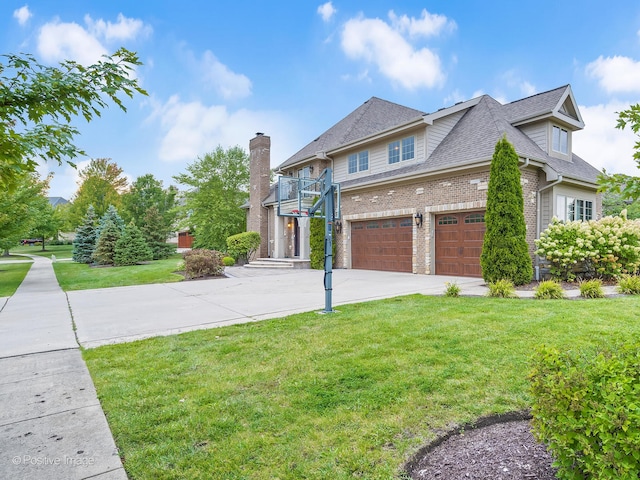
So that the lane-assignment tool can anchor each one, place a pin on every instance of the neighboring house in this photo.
(414, 184)
(55, 201)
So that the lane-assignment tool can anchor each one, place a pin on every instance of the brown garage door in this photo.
(382, 244)
(459, 243)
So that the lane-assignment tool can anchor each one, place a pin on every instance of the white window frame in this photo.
(403, 152)
(359, 159)
(570, 208)
(557, 144)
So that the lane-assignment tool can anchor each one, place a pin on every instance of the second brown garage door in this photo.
(383, 244)
(459, 238)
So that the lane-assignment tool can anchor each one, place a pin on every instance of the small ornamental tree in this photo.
(85, 241)
(505, 253)
(131, 247)
(106, 244)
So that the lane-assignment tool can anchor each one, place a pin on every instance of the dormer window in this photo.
(560, 138)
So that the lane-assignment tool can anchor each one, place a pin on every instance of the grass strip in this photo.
(11, 276)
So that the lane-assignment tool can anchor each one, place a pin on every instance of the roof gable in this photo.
(372, 117)
(558, 103)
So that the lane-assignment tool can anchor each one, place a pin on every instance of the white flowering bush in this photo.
(605, 248)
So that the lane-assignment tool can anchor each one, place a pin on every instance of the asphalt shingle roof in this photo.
(373, 116)
(471, 140)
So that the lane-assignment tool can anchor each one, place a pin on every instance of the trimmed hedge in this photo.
(586, 408)
(243, 245)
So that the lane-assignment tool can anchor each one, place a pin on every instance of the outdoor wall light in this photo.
(338, 225)
(418, 219)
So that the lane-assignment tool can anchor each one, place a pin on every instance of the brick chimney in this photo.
(259, 175)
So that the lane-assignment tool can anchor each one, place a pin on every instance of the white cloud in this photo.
(61, 40)
(527, 89)
(376, 42)
(191, 129)
(124, 29)
(22, 14)
(228, 84)
(427, 25)
(616, 74)
(326, 11)
(603, 145)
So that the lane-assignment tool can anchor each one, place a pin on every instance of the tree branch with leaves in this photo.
(39, 102)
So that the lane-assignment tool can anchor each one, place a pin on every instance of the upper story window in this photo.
(570, 208)
(359, 162)
(402, 150)
(560, 140)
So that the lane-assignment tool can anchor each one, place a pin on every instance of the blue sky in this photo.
(217, 72)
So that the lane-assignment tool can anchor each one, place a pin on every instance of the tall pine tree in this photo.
(106, 244)
(131, 247)
(505, 253)
(85, 241)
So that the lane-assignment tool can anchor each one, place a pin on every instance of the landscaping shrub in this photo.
(243, 245)
(502, 289)
(202, 263)
(591, 288)
(228, 261)
(549, 289)
(452, 289)
(505, 252)
(607, 247)
(586, 409)
(131, 247)
(629, 284)
(316, 244)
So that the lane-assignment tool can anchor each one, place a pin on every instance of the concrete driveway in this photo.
(114, 315)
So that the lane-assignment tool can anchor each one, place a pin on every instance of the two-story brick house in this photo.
(414, 184)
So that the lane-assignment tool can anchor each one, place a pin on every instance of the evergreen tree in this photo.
(85, 241)
(106, 245)
(131, 247)
(505, 253)
(110, 215)
(155, 233)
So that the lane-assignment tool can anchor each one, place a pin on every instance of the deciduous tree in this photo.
(19, 208)
(147, 192)
(505, 253)
(38, 104)
(101, 183)
(218, 185)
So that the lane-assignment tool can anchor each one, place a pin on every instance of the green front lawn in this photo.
(341, 396)
(60, 251)
(79, 276)
(11, 276)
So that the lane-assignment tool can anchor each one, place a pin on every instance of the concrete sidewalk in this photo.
(51, 422)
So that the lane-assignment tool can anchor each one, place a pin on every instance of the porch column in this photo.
(305, 232)
(278, 237)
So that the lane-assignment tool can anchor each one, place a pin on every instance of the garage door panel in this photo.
(382, 244)
(458, 243)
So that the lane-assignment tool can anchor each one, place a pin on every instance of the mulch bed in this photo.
(500, 447)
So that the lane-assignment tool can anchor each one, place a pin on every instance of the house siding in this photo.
(440, 129)
(378, 157)
(539, 133)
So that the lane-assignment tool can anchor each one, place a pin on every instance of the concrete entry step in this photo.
(278, 263)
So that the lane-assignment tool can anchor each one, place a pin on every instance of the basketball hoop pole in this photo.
(327, 198)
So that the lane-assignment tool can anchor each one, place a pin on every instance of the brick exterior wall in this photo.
(464, 192)
(259, 175)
